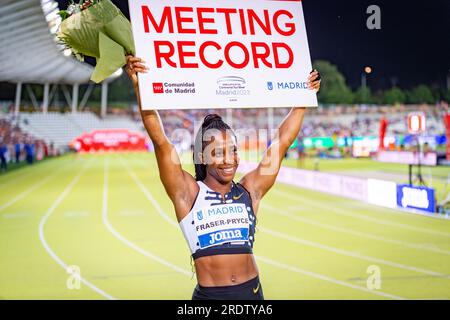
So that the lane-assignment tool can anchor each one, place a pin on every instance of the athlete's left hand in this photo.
(314, 80)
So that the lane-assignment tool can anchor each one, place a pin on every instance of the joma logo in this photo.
(225, 235)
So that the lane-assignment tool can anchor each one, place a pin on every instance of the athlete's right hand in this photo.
(135, 65)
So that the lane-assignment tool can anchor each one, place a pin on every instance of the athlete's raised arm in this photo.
(261, 179)
(179, 184)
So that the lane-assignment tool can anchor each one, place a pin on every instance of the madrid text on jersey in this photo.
(192, 54)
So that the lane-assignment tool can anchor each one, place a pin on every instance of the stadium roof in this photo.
(29, 52)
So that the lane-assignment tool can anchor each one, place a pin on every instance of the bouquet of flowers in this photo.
(97, 28)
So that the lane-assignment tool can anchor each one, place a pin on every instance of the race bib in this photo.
(220, 224)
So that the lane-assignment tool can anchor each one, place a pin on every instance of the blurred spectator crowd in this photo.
(338, 122)
(17, 147)
(343, 121)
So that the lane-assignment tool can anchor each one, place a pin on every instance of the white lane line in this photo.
(21, 173)
(46, 245)
(326, 278)
(385, 210)
(302, 271)
(351, 231)
(14, 179)
(125, 240)
(350, 253)
(148, 195)
(338, 211)
(29, 190)
(18, 215)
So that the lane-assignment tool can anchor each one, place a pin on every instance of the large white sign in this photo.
(349, 187)
(408, 157)
(382, 193)
(222, 53)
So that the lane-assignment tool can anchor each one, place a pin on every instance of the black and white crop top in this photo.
(220, 226)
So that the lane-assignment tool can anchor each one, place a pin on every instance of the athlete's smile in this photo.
(228, 170)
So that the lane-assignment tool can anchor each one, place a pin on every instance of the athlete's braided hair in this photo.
(211, 121)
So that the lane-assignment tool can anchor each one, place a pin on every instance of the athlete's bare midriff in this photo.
(225, 270)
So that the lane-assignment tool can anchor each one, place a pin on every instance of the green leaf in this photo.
(63, 14)
(102, 32)
(112, 57)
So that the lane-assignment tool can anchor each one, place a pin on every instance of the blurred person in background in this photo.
(3, 152)
(17, 150)
(301, 153)
(29, 151)
(40, 150)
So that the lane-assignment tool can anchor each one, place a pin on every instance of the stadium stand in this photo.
(17, 145)
(60, 129)
(343, 121)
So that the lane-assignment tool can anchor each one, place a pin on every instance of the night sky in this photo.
(412, 47)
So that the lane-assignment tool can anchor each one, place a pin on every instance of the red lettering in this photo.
(202, 21)
(242, 19)
(203, 58)
(245, 16)
(290, 26)
(263, 56)
(181, 20)
(228, 58)
(183, 54)
(278, 64)
(227, 13)
(265, 26)
(166, 17)
(164, 55)
(261, 53)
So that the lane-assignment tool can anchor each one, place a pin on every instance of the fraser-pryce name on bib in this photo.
(222, 223)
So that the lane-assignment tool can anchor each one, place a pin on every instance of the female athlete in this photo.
(217, 215)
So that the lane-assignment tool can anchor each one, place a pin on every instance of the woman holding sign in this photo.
(217, 215)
